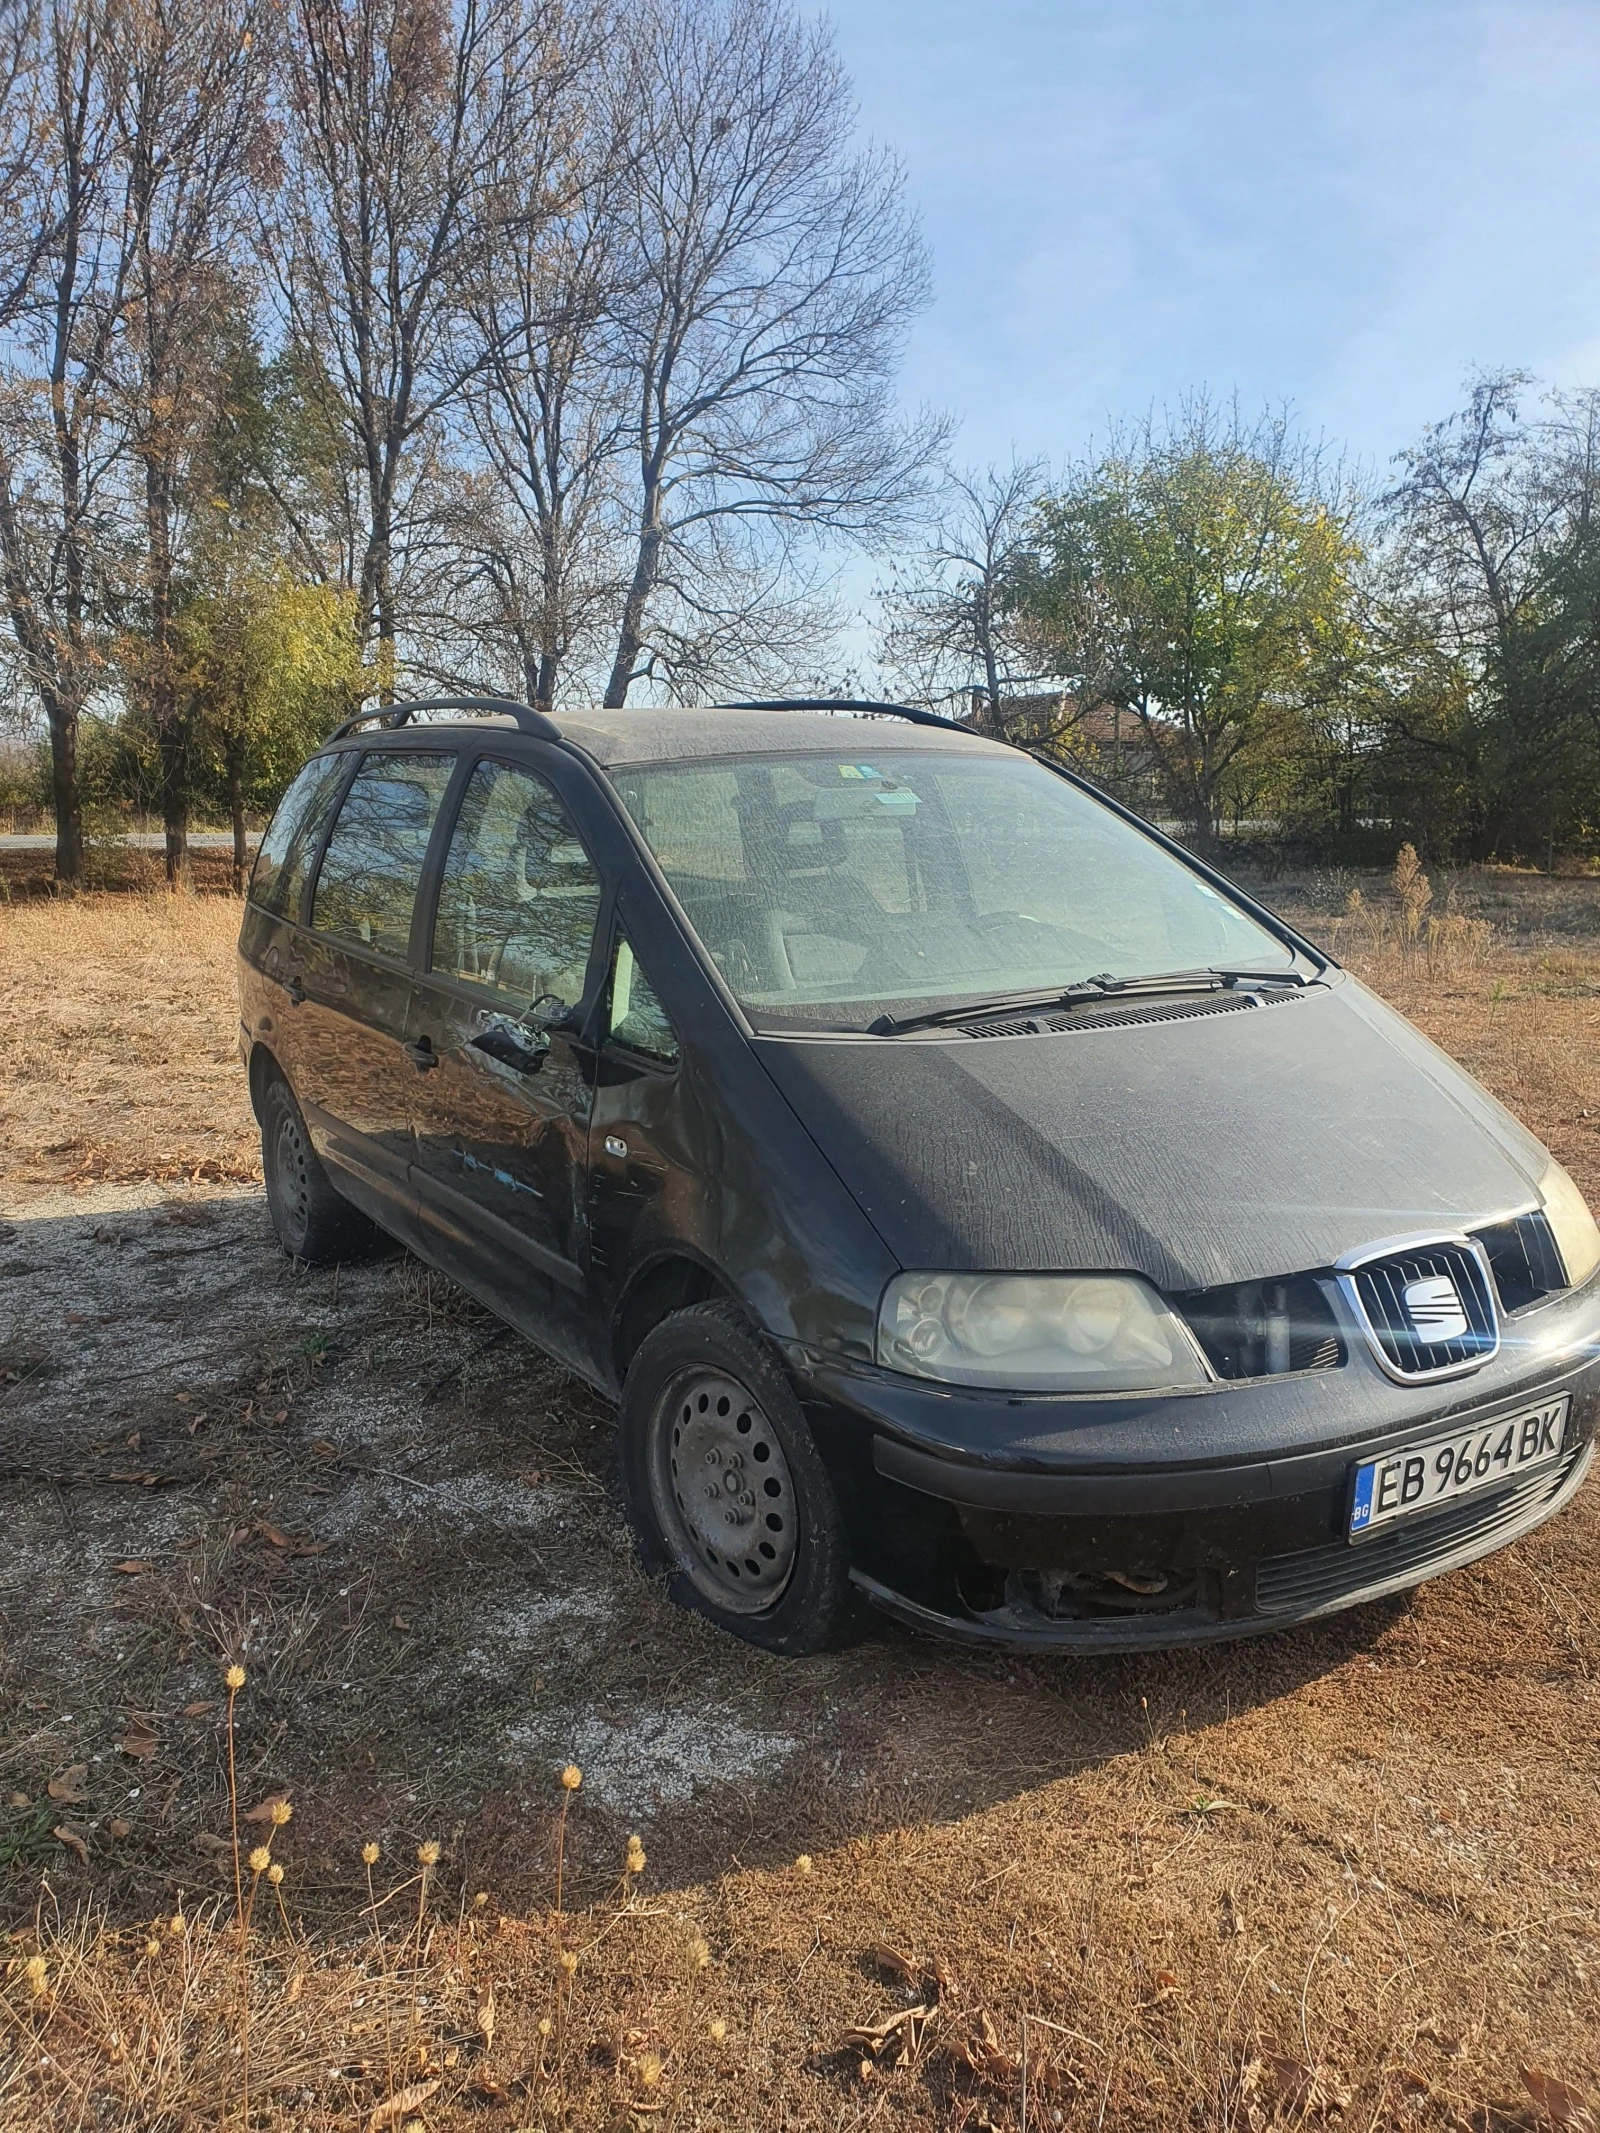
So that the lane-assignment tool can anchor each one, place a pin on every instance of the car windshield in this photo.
(835, 888)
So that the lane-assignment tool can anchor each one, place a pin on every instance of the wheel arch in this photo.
(263, 1070)
(669, 1282)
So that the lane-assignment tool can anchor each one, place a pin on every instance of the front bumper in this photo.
(1117, 1523)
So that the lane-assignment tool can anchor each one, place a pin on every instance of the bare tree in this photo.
(950, 624)
(24, 124)
(545, 402)
(394, 115)
(59, 446)
(1494, 554)
(190, 115)
(777, 273)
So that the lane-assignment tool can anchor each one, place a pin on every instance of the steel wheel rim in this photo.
(291, 1173)
(722, 1491)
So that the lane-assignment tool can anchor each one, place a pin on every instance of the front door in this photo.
(502, 1117)
(352, 1075)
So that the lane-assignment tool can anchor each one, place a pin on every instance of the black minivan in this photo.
(972, 1201)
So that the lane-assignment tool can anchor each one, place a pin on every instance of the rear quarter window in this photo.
(293, 834)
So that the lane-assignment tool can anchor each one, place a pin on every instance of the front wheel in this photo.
(725, 1490)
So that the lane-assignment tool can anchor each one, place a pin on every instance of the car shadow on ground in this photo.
(398, 1517)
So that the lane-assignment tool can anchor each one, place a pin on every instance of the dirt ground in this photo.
(1339, 1875)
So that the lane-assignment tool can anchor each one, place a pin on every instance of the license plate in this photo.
(1403, 1483)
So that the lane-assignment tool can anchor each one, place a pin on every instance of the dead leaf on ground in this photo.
(74, 1839)
(397, 2105)
(897, 2035)
(1565, 2104)
(1279, 2085)
(206, 1840)
(264, 1809)
(139, 1740)
(486, 2014)
(119, 1828)
(276, 1538)
(133, 1567)
(900, 1967)
(199, 1710)
(68, 1785)
(983, 2053)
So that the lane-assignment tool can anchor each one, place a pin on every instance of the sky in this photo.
(1337, 204)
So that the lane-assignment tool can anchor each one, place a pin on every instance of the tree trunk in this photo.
(169, 718)
(235, 768)
(377, 588)
(631, 633)
(991, 676)
(60, 709)
(64, 793)
(175, 797)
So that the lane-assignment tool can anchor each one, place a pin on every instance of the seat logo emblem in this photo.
(1435, 1310)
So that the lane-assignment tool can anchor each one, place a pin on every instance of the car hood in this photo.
(1199, 1150)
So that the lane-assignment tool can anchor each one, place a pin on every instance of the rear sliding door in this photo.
(352, 1075)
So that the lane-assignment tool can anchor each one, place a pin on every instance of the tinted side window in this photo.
(519, 898)
(370, 871)
(291, 836)
(638, 1018)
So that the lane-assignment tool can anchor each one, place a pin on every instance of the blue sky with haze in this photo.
(1342, 205)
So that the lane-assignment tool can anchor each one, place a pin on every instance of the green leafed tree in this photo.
(267, 655)
(272, 664)
(1200, 576)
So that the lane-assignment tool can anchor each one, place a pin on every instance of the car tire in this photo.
(725, 1490)
(313, 1221)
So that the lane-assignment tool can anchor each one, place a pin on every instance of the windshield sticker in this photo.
(858, 770)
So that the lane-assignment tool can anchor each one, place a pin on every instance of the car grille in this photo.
(1093, 1016)
(1322, 1577)
(1380, 1291)
(1525, 1259)
(1255, 1329)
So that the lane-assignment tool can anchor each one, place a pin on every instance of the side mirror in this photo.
(513, 1044)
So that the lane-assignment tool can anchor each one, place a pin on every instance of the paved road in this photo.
(145, 840)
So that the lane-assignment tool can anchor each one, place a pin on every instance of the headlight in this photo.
(1567, 1213)
(1036, 1333)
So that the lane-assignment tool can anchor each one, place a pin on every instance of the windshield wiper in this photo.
(1098, 988)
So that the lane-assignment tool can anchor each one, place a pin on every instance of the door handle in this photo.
(422, 1055)
(293, 986)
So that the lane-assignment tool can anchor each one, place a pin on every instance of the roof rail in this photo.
(848, 703)
(391, 716)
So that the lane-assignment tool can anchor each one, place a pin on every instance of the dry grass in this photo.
(1338, 1876)
(118, 1057)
